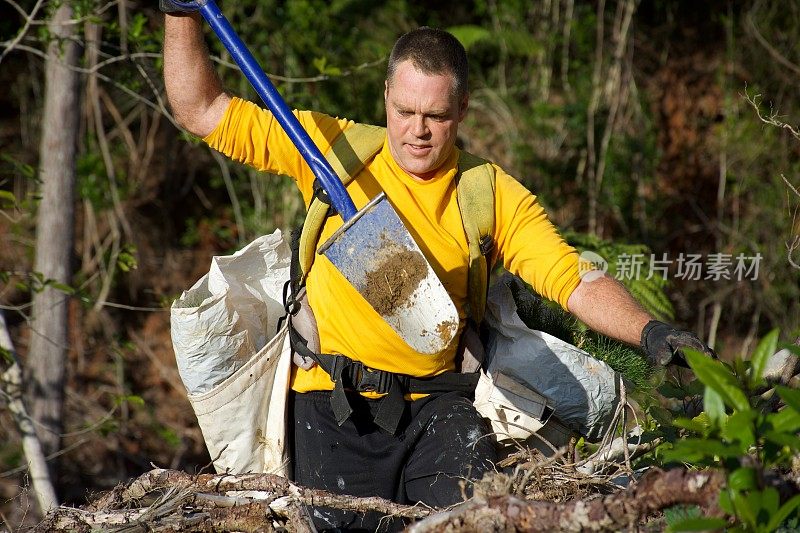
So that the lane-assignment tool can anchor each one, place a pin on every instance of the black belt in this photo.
(348, 374)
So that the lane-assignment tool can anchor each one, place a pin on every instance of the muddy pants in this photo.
(441, 443)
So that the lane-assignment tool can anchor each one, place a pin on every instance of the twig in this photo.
(59, 453)
(772, 51)
(10, 45)
(772, 119)
(237, 209)
(308, 79)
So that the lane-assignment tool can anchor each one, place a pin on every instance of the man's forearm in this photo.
(194, 89)
(606, 306)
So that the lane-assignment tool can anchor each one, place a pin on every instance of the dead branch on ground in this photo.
(168, 500)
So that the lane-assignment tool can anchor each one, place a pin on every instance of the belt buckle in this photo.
(370, 380)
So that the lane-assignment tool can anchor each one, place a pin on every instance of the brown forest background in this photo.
(630, 120)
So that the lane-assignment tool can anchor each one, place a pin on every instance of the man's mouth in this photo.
(419, 149)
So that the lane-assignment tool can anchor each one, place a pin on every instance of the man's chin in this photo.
(420, 171)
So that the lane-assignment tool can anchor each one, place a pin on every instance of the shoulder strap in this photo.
(475, 192)
(348, 155)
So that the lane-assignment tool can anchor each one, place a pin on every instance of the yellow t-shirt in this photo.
(525, 240)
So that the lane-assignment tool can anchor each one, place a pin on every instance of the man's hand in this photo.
(663, 344)
(173, 8)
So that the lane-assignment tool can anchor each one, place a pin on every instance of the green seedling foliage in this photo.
(761, 356)
(736, 434)
(719, 377)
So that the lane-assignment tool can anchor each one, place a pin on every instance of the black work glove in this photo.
(663, 344)
(168, 6)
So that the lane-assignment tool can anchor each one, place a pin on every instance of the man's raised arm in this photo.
(194, 89)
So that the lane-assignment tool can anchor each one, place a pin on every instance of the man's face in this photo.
(422, 117)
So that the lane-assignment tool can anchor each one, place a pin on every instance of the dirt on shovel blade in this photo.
(391, 283)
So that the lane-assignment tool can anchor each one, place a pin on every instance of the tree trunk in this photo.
(54, 229)
(11, 389)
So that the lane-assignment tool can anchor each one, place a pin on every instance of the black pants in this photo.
(441, 443)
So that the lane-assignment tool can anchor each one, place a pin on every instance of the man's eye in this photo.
(405, 113)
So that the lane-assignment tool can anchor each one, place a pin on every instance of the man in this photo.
(439, 439)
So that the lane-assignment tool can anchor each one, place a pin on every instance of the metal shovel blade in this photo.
(377, 255)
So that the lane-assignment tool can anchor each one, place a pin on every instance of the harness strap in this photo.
(348, 374)
(349, 153)
(475, 195)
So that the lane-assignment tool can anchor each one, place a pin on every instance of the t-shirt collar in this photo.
(446, 171)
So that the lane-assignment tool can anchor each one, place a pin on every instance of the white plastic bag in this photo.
(235, 368)
(581, 390)
(230, 313)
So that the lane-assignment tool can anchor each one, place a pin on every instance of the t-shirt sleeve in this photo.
(528, 243)
(251, 135)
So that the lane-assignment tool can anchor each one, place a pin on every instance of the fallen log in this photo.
(168, 500)
(656, 491)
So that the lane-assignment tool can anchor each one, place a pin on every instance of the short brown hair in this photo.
(432, 51)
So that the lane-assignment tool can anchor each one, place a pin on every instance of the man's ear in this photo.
(385, 90)
(462, 107)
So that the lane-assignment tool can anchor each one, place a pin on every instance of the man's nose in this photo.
(420, 127)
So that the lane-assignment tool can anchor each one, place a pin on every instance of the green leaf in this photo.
(764, 350)
(716, 376)
(743, 507)
(670, 390)
(794, 348)
(131, 399)
(783, 513)
(787, 420)
(9, 197)
(770, 500)
(692, 424)
(725, 502)
(66, 289)
(694, 388)
(739, 427)
(743, 479)
(782, 438)
(321, 64)
(469, 35)
(790, 396)
(699, 524)
(6, 355)
(714, 407)
(660, 415)
(694, 450)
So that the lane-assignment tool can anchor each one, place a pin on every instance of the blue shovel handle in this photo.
(266, 90)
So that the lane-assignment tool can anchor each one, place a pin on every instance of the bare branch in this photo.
(751, 25)
(792, 187)
(772, 118)
(10, 45)
(791, 248)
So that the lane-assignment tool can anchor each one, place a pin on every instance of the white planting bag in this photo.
(230, 313)
(235, 368)
(581, 390)
(514, 411)
(243, 419)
